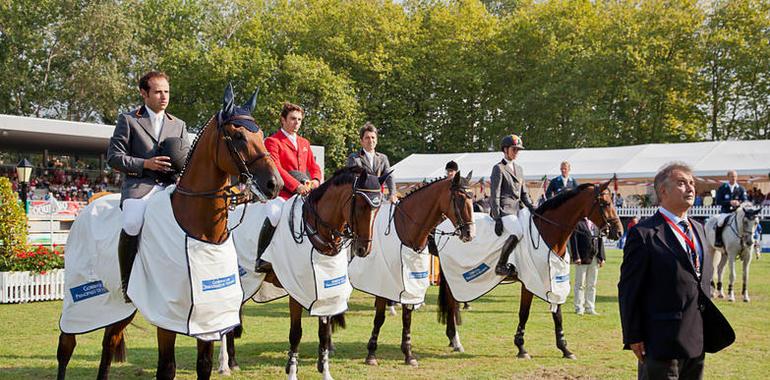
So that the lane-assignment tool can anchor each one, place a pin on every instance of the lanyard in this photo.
(681, 233)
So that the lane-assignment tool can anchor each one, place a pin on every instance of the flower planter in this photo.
(27, 286)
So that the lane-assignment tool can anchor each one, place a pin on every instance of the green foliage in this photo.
(433, 76)
(38, 259)
(13, 222)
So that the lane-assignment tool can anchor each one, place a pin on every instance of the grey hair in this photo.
(566, 163)
(661, 178)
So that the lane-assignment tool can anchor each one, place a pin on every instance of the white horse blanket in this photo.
(246, 239)
(469, 268)
(93, 297)
(318, 282)
(391, 270)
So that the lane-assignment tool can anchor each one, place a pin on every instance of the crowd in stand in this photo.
(64, 184)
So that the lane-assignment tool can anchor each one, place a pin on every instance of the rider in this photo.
(508, 193)
(137, 150)
(374, 162)
(296, 164)
(562, 182)
(730, 195)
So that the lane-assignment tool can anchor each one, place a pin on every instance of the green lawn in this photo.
(29, 334)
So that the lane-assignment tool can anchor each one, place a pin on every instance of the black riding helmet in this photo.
(177, 149)
(511, 140)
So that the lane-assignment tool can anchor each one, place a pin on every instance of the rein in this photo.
(597, 202)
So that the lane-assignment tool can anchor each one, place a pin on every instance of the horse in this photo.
(554, 220)
(414, 218)
(342, 210)
(739, 241)
(223, 148)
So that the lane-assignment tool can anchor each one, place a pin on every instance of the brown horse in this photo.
(224, 148)
(414, 218)
(555, 220)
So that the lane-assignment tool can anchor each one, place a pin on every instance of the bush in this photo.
(38, 259)
(13, 223)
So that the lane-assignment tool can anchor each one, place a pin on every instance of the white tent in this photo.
(748, 158)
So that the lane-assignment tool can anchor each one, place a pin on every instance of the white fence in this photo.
(698, 211)
(27, 287)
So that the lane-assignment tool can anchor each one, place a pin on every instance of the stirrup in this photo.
(505, 269)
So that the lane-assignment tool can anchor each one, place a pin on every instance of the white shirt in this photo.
(370, 157)
(732, 187)
(564, 180)
(292, 137)
(156, 119)
(675, 219)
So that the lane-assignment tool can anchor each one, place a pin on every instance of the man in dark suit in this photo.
(374, 162)
(508, 193)
(729, 196)
(134, 150)
(298, 169)
(562, 182)
(667, 319)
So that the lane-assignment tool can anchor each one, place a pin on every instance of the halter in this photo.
(338, 239)
(252, 191)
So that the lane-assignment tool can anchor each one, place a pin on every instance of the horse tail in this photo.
(119, 350)
(238, 332)
(338, 322)
(443, 299)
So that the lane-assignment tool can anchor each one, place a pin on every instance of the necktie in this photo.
(693, 254)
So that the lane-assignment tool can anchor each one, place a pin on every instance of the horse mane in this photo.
(342, 176)
(561, 198)
(423, 186)
(194, 144)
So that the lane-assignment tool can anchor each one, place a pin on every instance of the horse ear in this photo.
(381, 179)
(470, 175)
(456, 179)
(252, 102)
(227, 102)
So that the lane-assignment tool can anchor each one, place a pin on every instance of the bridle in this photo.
(746, 237)
(312, 222)
(598, 202)
(234, 198)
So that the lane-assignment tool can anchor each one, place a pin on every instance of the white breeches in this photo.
(585, 285)
(133, 212)
(274, 207)
(513, 226)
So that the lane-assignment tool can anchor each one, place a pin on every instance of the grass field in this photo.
(28, 336)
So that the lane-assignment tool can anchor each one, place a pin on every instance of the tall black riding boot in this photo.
(718, 236)
(503, 268)
(265, 236)
(127, 247)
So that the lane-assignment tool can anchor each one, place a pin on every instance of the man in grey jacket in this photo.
(374, 162)
(508, 193)
(135, 150)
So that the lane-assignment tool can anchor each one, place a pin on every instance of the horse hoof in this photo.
(235, 368)
(524, 356)
(459, 349)
(746, 299)
(570, 356)
(225, 372)
(412, 362)
(371, 361)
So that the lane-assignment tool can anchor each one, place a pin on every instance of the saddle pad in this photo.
(318, 282)
(246, 239)
(469, 268)
(391, 270)
(93, 297)
(182, 284)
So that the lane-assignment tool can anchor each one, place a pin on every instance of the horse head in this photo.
(748, 219)
(458, 206)
(602, 211)
(240, 149)
(365, 201)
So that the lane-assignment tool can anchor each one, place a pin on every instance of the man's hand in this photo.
(393, 198)
(578, 261)
(303, 189)
(158, 163)
(638, 349)
(314, 183)
(735, 203)
(601, 263)
(499, 227)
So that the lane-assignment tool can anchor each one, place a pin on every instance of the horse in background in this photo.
(738, 236)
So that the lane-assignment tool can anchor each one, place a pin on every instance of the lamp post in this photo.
(23, 173)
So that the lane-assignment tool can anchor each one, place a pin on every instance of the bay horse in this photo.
(414, 217)
(739, 241)
(555, 220)
(223, 148)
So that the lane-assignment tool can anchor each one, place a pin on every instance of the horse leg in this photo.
(720, 271)
(406, 335)
(205, 359)
(561, 341)
(730, 292)
(113, 344)
(324, 337)
(224, 356)
(295, 335)
(67, 343)
(746, 264)
(166, 358)
(231, 336)
(451, 315)
(379, 319)
(524, 304)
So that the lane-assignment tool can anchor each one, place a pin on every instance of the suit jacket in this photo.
(662, 302)
(132, 142)
(380, 167)
(287, 158)
(584, 245)
(557, 185)
(725, 195)
(508, 190)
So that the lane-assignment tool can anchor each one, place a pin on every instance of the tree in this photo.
(13, 223)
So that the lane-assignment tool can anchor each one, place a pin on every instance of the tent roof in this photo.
(635, 161)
